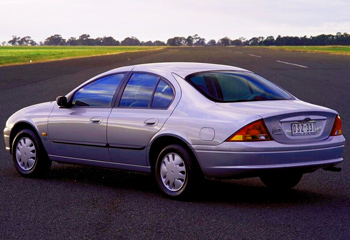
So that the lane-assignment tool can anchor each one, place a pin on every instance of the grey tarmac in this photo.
(80, 202)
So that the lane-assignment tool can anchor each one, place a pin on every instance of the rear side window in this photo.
(236, 87)
(146, 91)
(163, 95)
(138, 93)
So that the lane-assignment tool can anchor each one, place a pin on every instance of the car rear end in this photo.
(286, 134)
(307, 140)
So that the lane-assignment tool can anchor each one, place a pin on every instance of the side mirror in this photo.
(61, 101)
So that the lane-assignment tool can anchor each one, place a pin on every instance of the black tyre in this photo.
(175, 171)
(29, 155)
(281, 180)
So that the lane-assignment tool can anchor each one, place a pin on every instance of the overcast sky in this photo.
(163, 19)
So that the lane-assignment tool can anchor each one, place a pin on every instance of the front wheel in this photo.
(175, 171)
(281, 180)
(28, 154)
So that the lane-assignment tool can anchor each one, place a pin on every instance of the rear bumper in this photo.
(234, 160)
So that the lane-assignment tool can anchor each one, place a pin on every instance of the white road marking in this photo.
(293, 64)
(239, 52)
(254, 55)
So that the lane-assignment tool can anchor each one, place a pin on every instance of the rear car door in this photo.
(141, 112)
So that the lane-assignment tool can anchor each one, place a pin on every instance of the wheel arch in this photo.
(164, 140)
(20, 126)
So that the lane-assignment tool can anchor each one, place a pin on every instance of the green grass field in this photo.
(344, 50)
(11, 55)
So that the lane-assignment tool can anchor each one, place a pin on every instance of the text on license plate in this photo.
(303, 128)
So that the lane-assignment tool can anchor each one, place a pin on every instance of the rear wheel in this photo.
(175, 171)
(281, 180)
(28, 154)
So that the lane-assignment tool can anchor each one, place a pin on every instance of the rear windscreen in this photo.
(236, 87)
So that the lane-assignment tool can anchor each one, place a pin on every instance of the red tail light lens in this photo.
(255, 131)
(337, 128)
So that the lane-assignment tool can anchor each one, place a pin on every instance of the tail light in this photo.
(255, 131)
(337, 128)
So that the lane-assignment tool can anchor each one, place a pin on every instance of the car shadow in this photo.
(112, 178)
(252, 191)
(245, 191)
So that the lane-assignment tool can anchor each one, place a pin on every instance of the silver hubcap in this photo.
(173, 172)
(25, 153)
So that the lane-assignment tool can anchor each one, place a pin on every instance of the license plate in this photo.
(299, 129)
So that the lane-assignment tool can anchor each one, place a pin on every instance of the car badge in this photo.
(276, 131)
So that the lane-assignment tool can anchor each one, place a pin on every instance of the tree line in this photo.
(195, 40)
(82, 40)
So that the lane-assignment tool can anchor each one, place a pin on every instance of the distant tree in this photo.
(148, 43)
(200, 42)
(130, 41)
(176, 41)
(109, 41)
(171, 42)
(304, 41)
(224, 41)
(14, 41)
(55, 40)
(242, 39)
(269, 41)
(72, 41)
(158, 43)
(22, 41)
(261, 41)
(211, 42)
(237, 42)
(85, 40)
(3, 43)
(245, 41)
(323, 39)
(189, 41)
(279, 40)
(291, 41)
(27, 41)
(97, 41)
(254, 41)
(345, 39)
(195, 37)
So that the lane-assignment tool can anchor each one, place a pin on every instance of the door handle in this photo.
(96, 120)
(151, 122)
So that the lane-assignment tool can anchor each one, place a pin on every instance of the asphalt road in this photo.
(80, 202)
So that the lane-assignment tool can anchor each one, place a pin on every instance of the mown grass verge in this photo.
(343, 50)
(11, 55)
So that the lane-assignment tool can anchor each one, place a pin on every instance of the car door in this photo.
(141, 112)
(78, 132)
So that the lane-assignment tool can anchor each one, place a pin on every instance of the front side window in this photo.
(98, 93)
(236, 87)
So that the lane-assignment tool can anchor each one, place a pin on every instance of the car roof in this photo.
(182, 69)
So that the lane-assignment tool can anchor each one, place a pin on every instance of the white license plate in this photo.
(299, 129)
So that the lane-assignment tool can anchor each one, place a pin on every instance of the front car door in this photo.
(78, 133)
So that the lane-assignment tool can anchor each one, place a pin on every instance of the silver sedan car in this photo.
(180, 122)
